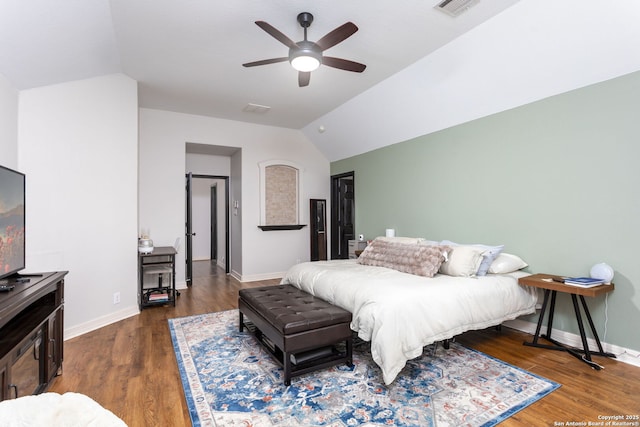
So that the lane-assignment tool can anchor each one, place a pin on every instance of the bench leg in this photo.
(350, 352)
(241, 321)
(287, 368)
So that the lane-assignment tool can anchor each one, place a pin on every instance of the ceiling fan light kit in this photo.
(306, 56)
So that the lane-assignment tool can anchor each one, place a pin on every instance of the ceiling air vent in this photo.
(256, 108)
(455, 7)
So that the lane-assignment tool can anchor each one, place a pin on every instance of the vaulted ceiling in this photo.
(187, 55)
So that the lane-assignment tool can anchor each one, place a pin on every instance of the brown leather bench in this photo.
(303, 333)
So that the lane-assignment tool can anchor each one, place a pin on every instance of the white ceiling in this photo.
(187, 54)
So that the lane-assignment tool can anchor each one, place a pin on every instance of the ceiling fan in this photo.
(305, 56)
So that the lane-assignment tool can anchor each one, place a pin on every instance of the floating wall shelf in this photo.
(281, 227)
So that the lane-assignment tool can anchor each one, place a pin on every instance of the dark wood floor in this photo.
(129, 367)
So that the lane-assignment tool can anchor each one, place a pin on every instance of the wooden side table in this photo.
(160, 261)
(551, 289)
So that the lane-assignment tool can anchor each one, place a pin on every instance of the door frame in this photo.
(189, 257)
(214, 221)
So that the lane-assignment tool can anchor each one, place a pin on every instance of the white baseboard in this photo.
(99, 322)
(626, 355)
(256, 277)
(236, 275)
(127, 312)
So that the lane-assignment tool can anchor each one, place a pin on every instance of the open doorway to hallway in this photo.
(207, 226)
(213, 169)
(206, 268)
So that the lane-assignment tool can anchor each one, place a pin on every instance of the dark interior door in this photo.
(342, 214)
(188, 233)
(317, 227)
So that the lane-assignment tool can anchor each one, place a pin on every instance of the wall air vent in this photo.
(455, 7)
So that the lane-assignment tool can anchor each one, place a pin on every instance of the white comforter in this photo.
(401, 313)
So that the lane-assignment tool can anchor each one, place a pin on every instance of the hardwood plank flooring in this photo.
(129, 367)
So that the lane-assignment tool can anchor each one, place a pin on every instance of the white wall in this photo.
(201, 218)
(163, 136)
(221, 219)
(532, 50)
(8, 124)
(208, 164)
(236, 217)
(78, 148)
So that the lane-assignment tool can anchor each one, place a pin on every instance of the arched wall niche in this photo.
(280, 195)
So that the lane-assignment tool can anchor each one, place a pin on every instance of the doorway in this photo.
(213, 218)
(343, 213)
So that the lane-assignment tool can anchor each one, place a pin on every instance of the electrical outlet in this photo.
(116, 297)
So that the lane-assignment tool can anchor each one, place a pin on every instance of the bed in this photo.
(400, 313)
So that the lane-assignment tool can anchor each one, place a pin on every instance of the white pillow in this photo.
(429, 242)
(463, 261)
(406, 240)
(507, 263)
(490, 254)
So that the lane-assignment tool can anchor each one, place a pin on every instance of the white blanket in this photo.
(401, 313)
(55, 410)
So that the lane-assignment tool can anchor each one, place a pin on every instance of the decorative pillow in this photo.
(429, 242)
(405, 257)
(490, 254)
(507, 263)
(408, 240)
(464, 261)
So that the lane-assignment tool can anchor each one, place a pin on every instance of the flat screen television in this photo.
(12, 222)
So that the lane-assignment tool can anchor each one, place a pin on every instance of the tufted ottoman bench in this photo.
(299, 330)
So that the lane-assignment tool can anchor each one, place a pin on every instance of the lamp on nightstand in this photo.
(602, 271)
(145, 246)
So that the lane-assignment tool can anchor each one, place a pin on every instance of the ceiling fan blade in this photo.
(343, 64)
(336, 36)
(303, 78)
(265, 62)
(276, 34)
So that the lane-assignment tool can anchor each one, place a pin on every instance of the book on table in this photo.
(158, 297)
(584, 282)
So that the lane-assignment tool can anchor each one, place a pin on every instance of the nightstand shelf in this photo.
(354, 247)
(160, 266)
(551, 289)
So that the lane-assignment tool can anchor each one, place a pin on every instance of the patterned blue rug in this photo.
(229, 380)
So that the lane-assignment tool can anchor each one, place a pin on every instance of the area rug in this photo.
(229, 380)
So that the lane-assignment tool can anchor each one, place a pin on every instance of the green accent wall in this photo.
(557, 181)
